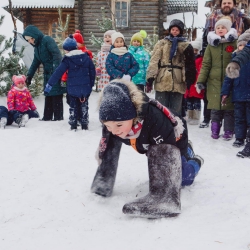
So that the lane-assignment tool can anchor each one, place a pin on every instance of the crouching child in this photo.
(130, 117)
(21, 106)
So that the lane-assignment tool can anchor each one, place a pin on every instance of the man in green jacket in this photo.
(48, 54)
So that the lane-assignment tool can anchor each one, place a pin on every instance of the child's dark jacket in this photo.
(81, 73)
(119, 65)
(157, 128)
(239, 87)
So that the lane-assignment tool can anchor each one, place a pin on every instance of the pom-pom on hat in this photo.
(109, 33)
(176, 23)
(18, 79)
(139, 36)
(224, 21)
(243, 38)
(116, 104)
(78, 37)
(115, 35)
(69, 43)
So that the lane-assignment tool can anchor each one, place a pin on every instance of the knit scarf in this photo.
(135, 131)
(174, 40)
(119, 51)
(105, 47)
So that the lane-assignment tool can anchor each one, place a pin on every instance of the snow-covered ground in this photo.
(46, 172)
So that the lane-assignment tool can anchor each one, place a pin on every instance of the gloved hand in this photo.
(231, 38)
(216, 41)
(223, 100)
(63, 84)
(199, 87)
(233, 70)
(126, 77)
(36, 112)
(47, 89)
(28, 80)
(149, 84)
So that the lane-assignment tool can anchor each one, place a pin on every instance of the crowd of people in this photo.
(182, 73)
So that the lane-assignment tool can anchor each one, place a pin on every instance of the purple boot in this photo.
(228, 135)
(215, 128)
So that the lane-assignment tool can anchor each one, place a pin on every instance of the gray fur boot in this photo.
(189, 115)
(163, 199)
(104, 180)
(196, 117)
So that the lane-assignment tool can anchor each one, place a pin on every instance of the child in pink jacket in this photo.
(20, 103)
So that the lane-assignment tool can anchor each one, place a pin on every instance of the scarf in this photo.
(174, 46)
(135, 131)
(119, 51)
(105, 47)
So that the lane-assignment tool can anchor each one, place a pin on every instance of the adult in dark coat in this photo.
(48, 54)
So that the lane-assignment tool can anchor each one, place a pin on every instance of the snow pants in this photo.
(53, 106)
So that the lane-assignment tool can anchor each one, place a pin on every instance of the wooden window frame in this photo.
(113, 3)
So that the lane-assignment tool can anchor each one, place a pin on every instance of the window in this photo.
(121, 11)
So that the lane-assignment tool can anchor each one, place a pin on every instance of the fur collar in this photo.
(74, 52)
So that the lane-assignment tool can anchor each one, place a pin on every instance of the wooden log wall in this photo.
(144, 14)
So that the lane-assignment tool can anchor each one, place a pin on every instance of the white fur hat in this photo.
(224, 22)
(115, 35)
(196, 45)
(109, 33)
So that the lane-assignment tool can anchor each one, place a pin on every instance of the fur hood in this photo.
(136, 96)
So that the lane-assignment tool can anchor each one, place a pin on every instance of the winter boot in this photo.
(3, 122)
(245, 152)
(104, 180)
(204, 124)
(163, 199)
(196, 117)
(238, 143)
(189, 115)
(73, 127)
(22, 120)
(215, 128)
(228, 135)
(85, 127)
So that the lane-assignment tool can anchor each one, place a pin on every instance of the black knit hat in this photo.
(116, 104)
(176, 23)
(69, 43)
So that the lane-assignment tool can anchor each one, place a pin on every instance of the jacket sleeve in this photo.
(110, 67)
(34, 66)
(227, 86)
(31, 102)
(152, 70)
(244, 56)
(206, 66)
(10, 100)
(54, 51)
(190, 69)
(92, 72)
(134, 66)
(56, 76)
(146, 60)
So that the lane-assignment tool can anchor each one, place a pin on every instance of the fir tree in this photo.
(152, 40)
(10, 65)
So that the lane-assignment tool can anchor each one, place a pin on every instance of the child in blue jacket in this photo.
(120, 63)
(239, 88)
(81, 78)
(141, 56)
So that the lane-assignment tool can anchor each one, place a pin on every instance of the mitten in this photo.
(126, 77)
(149, 84)
(223, 100)
(47, 89)
(216, 42)
(28, 80)
(233, 70)
(199, 87)
(36, 112)
(231, 38)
